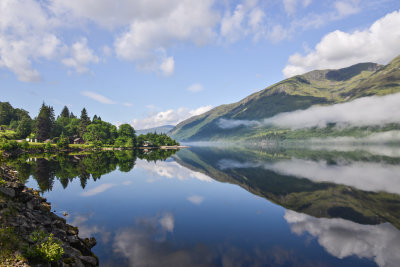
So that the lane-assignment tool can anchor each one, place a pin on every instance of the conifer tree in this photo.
(65, 113)
(84, 122)
(44, 122)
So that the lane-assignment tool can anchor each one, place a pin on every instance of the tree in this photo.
(44, 122)
(6, 113)
(65, 113)
(63, 142)
(84, 123)
(24, 128)
(126, 136)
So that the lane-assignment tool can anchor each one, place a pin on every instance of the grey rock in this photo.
(7, 191)
(88, 260)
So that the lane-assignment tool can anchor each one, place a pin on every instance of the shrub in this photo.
(24, 145)
(48, 146)
(63, 142)
(45, 248)
(8, 145)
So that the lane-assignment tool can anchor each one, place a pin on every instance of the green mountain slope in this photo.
(159, 129)
(322, 87)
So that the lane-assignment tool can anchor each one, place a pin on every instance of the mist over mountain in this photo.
(318, 98)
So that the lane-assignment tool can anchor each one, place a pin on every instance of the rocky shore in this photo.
(24, 212)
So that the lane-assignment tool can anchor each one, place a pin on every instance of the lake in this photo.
(229, 206)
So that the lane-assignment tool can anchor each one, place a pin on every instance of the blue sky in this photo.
(156, 62)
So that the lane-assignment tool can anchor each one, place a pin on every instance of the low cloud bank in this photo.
(230, 124)
(366, 111)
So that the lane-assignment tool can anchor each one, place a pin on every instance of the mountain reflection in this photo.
(355, 185)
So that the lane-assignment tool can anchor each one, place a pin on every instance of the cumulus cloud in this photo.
(168, 117)
(161, 24)
(247, 18)
(342, 238)
(365, 111)
(379, 43)
(80, 56)
(167, 66)
(99, 98)
(26, 37)
(194, 88)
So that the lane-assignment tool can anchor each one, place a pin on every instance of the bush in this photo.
(48, 146)
(8, 145)
(63, 143)
(24, 145)
(45, 248)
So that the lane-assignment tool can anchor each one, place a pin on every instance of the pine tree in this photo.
(65, 113)
(44, 123)
(85, 121)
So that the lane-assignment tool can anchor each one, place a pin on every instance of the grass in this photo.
(10, 244)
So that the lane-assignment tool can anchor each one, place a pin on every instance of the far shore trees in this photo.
(67, 129)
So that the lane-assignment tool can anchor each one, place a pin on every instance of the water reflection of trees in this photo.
(46, 168)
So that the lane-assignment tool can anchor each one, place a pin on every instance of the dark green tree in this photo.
(84, 122)
(24, 127)
(65, 113)
(44, 122)
(6, 113)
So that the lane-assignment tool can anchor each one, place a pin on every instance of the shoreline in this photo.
(20, 151)
(22, 212)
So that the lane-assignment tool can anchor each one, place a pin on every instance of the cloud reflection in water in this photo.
(342, 238)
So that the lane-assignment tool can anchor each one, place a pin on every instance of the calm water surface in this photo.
(230, 206)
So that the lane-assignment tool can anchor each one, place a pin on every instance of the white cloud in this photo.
(247, 18)
(26, 36)
(195, 199)
(379, 43)
(342, 238)
(373, 110)
(171, 117)
(345, 8)
(290, 6)
(80, 56)
(161, 24)
(194, 88)
(97, 97)
(167, 66)
(365, 111)
(97, 190)
(127, 104)
(230, 124)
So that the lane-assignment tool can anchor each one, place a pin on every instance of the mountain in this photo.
(159, 129)
(323, 87)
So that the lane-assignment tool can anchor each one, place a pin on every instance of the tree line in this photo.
(67, 127)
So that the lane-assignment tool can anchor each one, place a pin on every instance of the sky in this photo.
(156, 62)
